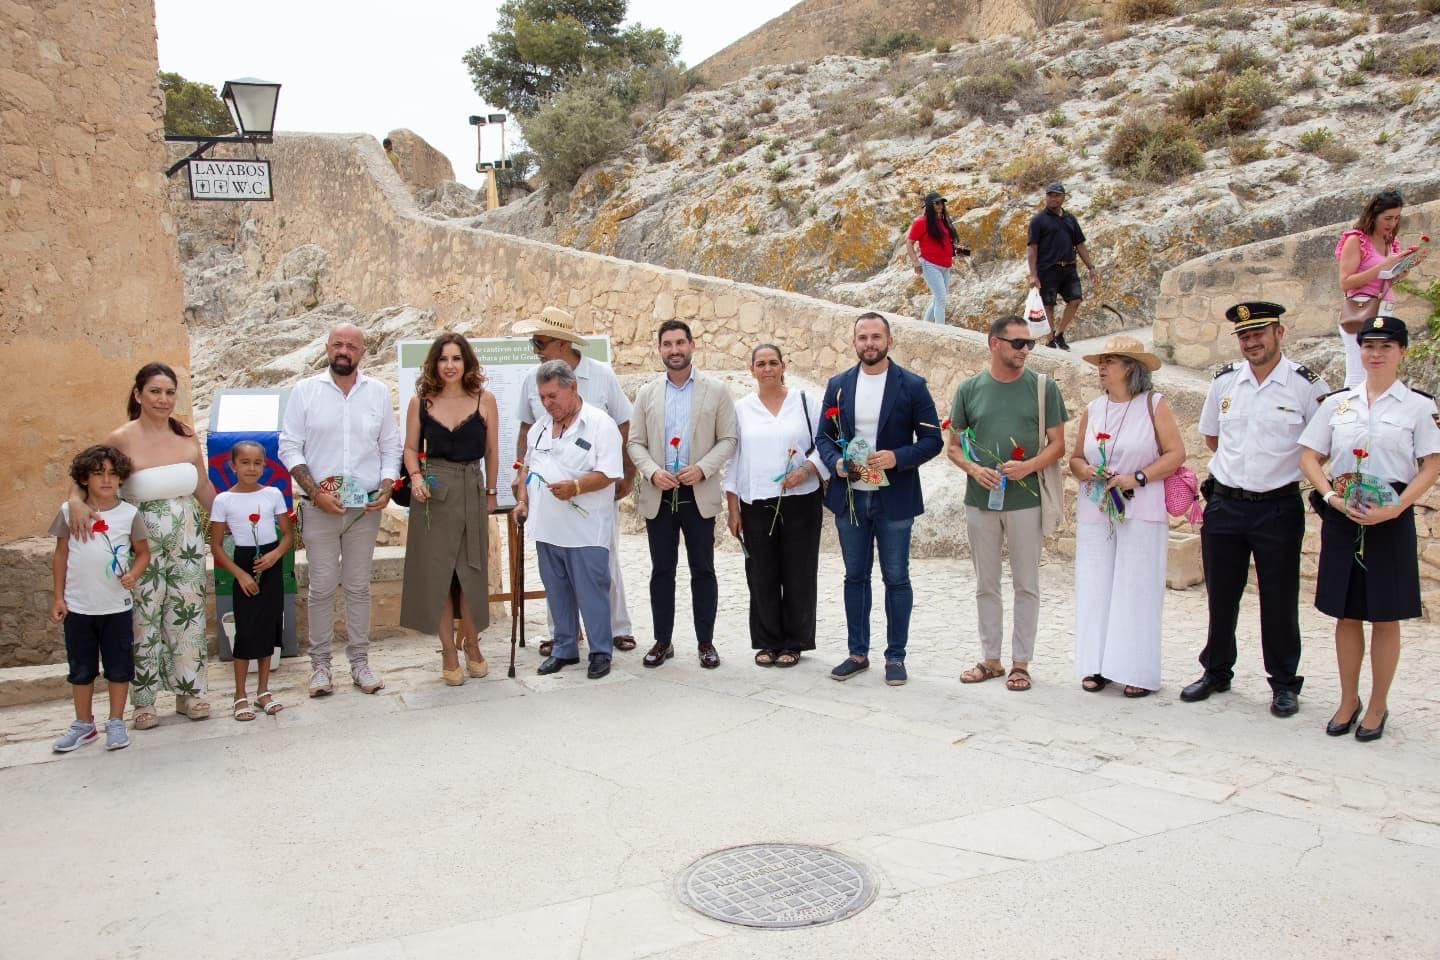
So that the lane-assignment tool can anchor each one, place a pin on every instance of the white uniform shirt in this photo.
(1259, 424)
(1395, 432)
(869, 397)
(763, 441)
(94, 567)
(591, 443)
(342, 435)
(598, 385)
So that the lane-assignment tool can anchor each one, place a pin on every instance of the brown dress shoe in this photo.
(659, 654)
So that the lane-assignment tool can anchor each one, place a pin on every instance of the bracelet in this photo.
(577, 488)
(1326, 498)
(490, 492)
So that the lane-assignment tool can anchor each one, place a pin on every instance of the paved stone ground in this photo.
(549, 817)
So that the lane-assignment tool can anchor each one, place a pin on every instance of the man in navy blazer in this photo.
(886, 428)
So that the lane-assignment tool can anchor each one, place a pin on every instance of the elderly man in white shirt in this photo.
(342, 445)
(563, 494)
(553, 336)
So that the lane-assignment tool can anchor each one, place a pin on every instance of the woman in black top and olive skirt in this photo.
(451, 458)
(1373, 436)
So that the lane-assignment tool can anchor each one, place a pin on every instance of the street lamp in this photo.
(251, 103)
(492, 193)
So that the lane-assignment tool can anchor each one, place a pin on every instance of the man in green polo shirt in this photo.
(994, 430)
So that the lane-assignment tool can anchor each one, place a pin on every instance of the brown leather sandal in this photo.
(623, 643)
(981, 672)
(1019, 679)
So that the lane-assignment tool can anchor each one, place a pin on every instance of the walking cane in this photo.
(517, 602)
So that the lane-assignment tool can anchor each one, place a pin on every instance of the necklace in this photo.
(1128, 404)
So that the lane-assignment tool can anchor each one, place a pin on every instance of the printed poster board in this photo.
(506, 361)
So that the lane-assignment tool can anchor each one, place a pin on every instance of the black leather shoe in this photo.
(1202, 688)
(1340, 729)
(556, 664)
(1285, 703)
(599, 666)
(1365, 735)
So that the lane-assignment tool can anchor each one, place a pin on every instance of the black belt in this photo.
(1235, 493)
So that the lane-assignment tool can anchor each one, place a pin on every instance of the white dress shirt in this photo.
(591, 443)
(1259, 424)
(337, 434)
(1395, 432)
(598, 386)
(765, 439)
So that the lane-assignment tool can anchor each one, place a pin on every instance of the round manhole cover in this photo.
(777, 885)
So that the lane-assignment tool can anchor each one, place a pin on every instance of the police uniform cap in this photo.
(1385, 328)
(1253, 314)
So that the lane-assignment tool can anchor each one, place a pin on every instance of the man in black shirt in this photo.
(1055, 241)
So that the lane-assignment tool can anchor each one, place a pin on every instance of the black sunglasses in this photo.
(539, 343)
(1018, 343)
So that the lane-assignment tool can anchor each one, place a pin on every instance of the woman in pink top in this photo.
(1365, 250)
(931, 245)
(1127, 443)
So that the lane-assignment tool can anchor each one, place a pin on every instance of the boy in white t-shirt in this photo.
(93, 579)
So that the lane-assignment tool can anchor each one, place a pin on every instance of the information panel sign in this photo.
(507, 361)
(230, 179)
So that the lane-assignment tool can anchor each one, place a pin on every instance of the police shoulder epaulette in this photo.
(1226, 368)
(1326, 396)
(1422, 393)
(1310, 375)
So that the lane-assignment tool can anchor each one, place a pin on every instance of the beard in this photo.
(872, 356)
(342, 365)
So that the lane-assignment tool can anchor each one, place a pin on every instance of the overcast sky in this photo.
(370, 67)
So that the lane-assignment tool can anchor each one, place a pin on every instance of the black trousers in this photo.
(1272, 531)
(781, 569)
(664, 534)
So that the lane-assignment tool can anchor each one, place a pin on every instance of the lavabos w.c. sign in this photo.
(230, 180)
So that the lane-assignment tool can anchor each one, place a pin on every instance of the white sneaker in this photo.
(320, 685)
(365, 678)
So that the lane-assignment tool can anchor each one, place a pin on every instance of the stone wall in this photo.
(1298, 271)
(89, 276)
(421, 165)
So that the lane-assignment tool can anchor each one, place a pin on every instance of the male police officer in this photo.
(1252, 420)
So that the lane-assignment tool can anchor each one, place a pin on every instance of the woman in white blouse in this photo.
(772, 488)
(1373, 435)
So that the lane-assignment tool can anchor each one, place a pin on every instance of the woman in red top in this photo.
(932, 248)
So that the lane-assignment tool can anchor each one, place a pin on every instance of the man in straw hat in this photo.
(1254, 414)
(553, 336)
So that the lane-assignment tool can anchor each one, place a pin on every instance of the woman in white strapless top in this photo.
(170, 484)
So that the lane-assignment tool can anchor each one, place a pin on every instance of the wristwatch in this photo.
(491, 492)
(1140, 477)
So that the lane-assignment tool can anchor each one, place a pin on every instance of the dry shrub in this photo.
(827, 176)
(766, 105)
(985, 94)
(1047, 13)
(1156, 148)
(1221, 105)
(1032, 169)
(1423, 61)
(1239, 58)
(1138, 11)
(1243, 150)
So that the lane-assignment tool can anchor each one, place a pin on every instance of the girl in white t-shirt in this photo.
(259, 525)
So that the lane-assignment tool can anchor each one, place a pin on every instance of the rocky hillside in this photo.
(805, 177)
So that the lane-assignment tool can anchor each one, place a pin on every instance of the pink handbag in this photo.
(1182, 488)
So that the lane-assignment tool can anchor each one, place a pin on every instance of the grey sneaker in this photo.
(365, 678)
(75, 736)
(116, 737)
(320, 685)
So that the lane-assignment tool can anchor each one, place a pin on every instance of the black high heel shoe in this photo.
(1365, 735)
(1340, 729)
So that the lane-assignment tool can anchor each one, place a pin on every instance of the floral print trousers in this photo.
(170, 641)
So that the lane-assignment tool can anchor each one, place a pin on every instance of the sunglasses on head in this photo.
(1018, 343)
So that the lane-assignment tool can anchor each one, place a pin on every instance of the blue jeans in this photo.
(939, 280)
(859, 542)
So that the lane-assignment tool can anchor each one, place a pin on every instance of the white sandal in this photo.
(242, 710)
(271, 708)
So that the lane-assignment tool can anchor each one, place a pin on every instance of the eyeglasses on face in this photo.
(539, 343)
(1018, 343)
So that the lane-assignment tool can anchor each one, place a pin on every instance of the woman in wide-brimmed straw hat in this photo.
(1127, 443)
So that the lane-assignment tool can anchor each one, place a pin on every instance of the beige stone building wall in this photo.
(1298, 271)
(89, 274)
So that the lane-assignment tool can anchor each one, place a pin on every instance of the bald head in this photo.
(344, 348)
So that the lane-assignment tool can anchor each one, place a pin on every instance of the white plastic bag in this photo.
(1035, 316)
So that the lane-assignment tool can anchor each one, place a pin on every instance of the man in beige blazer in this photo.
(682, 431)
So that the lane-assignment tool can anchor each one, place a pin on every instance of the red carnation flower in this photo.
(833, 412)
(1102, 436)
(1360, 453)
(518, 465)
(1017, 454)
(100, 525)
(421, 455)
(1424, 238)
(674, 441)
(254, 518)
(945, 424)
